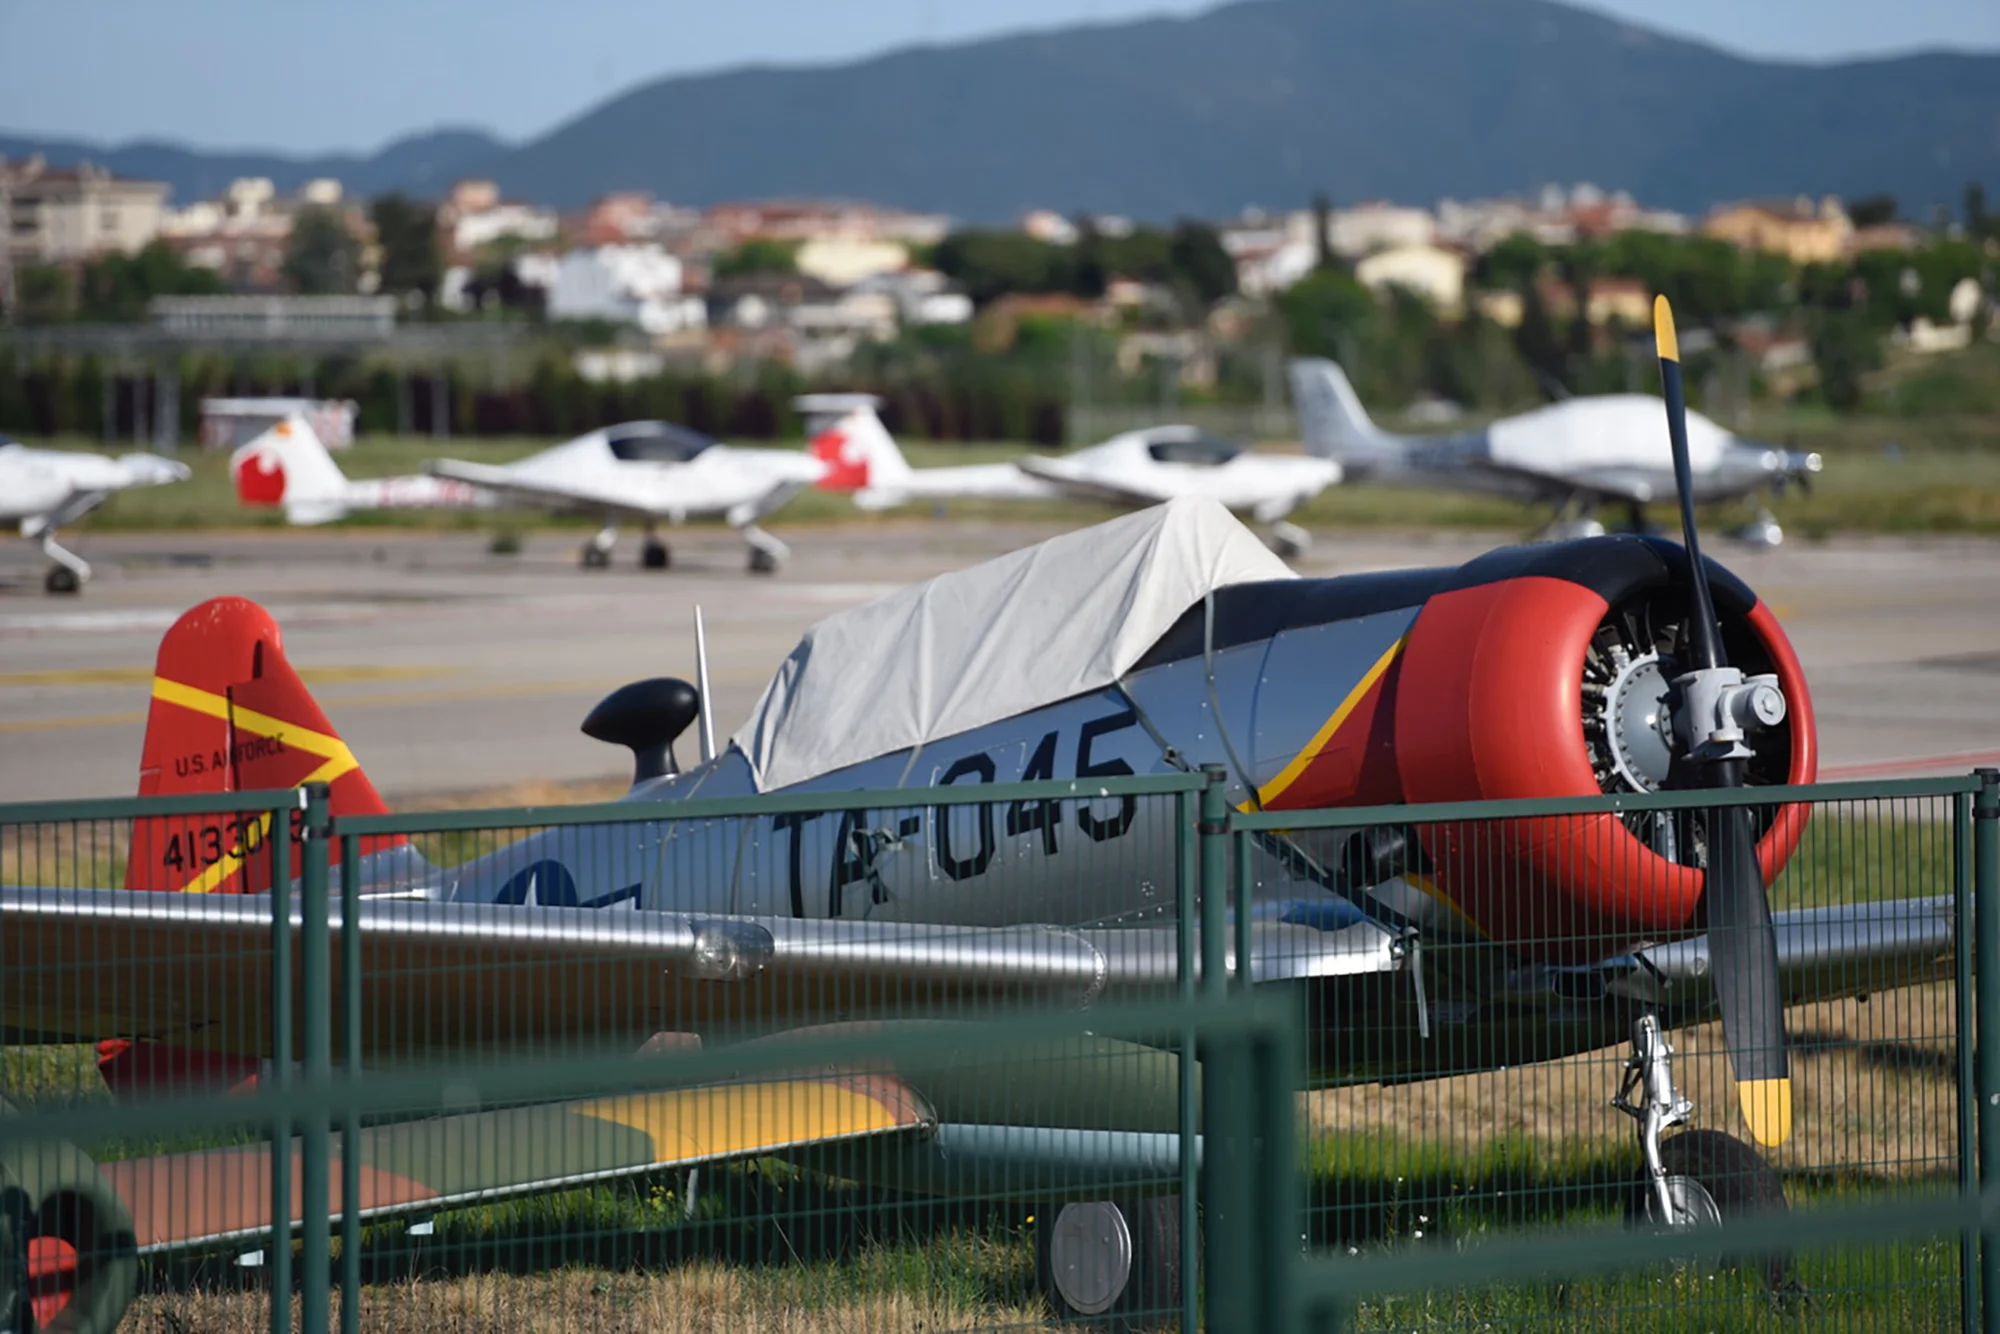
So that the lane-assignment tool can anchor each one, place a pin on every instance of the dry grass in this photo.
(701, 1298)
(1874, 1083)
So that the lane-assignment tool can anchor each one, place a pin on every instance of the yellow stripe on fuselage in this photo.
(1274, 789)
(338, 759)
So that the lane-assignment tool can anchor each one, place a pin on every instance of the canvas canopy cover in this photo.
(1027, 629)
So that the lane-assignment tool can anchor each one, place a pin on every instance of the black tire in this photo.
(762, 561)
(655, 556)
(1151, 1297)
(1740, 1182)
(61, 580)
(595, 557)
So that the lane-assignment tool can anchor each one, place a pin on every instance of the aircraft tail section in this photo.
(289, 465)
(861, 456)
(1331, 418)
(229, 714)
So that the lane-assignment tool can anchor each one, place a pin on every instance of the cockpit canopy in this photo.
(654, 442)
(1196, 449)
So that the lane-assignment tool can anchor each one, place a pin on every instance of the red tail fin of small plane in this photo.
(230, 714)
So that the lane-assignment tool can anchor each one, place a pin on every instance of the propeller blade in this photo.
(1743, 948)
(1702, 637)
(1743, 956)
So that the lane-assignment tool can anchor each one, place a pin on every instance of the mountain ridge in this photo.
(1261, 102)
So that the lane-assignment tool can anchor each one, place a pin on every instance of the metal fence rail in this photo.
(840, 1118)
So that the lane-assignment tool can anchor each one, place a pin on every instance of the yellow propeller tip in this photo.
(1767, 1109)
(1664, 336)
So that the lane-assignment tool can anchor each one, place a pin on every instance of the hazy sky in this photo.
(308, 75)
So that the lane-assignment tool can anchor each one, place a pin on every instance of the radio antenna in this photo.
(701, 684)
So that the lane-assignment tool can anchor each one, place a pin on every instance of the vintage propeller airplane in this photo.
(47, 489)
(1160, 642)
(1143, 467)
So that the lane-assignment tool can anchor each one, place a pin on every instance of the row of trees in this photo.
(965, 399)
(1189, 258)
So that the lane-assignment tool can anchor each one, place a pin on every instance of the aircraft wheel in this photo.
(655, 556)
(595, 557)
(1716, 1178)
(1117, 1263)
(61, 580)
(67, 1255)
(762, 561)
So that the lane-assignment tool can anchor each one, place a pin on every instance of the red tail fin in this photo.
(230, 715)
(845, 470)
(260, 477)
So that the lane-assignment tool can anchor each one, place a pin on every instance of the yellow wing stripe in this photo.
(338, 760)
(1274, 789)
(735, 1119)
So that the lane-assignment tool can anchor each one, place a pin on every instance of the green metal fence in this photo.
(836, 1121)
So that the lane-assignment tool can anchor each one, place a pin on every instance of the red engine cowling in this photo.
(1489, 706)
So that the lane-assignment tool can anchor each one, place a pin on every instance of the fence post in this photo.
(1184, 916)
(1986, 977)
(1214, 832)
(278, 1261)
(1966, 1024)
(350, 1065)
(1228, 1067)
(315, 982)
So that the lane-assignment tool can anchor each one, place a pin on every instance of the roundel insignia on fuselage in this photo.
(547, 883)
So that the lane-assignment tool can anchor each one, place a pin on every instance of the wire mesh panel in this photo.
(761, 1063)
(1563, 974)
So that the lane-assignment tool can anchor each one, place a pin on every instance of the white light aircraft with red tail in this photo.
(1137, 468)
(289, 465)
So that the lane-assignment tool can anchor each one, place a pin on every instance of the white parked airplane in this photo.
(289, 465)
(47, 489)
(1137, 468)
(649, 471)
(1577, 455)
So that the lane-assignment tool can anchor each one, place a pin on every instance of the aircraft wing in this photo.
(191, 970)
(581, 494)
(210, 1196)
(1084, 488)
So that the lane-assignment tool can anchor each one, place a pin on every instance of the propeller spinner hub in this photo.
(1638, 724)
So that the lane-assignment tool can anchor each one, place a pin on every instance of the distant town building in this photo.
(629, 284)
(732, 224)
(1049, 227)
(474, 216)
(1799, 229)
(1431, 272)
(56, 215)
(843, 261)
(922, 296)
(242, 234)
(1368, 228)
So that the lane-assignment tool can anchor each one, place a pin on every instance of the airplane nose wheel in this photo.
(61, 580)
(1117, 1263)
(655, 555)
(1698, 1178)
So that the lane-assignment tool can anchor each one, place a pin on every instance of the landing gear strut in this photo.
(1289, 540)
(68, 570)
(597, 551)
(1698, 1178)
(767, 553)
